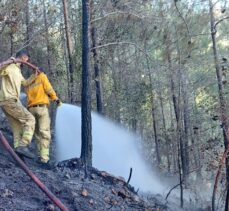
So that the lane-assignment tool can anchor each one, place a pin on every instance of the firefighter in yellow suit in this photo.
(38, 95)
(21, 120)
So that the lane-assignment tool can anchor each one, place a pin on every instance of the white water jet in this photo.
(114, 149)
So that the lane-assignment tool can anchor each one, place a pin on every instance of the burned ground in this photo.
(94, 191)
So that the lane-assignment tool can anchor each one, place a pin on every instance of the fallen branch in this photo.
(171, 190)
(129, 175)
(31, 175)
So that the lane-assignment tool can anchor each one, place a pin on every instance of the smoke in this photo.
(114, 149)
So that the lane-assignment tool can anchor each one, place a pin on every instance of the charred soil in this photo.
(76, 188)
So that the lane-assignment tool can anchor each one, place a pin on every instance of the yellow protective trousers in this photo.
(42, 131)
(21, 121)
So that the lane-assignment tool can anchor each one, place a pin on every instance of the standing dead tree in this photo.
(69, 48)
(223, 107)
(86, 147)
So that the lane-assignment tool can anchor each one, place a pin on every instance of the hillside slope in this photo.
(96, 191)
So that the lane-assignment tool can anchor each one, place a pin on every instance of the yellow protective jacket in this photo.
(11, 80)
(39, 92)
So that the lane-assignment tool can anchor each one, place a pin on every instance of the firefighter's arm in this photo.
(27, 82)
(49, 89)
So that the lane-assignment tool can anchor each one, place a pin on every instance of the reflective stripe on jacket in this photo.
(40, 91)
(11, 80)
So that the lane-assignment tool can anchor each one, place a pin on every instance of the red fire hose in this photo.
(15, 156)
(10, 61)
(31, 175)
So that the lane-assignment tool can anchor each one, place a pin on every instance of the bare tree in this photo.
(98, 85)
(69, 48)
(27, 21)
(47, 37)
(222, 102)
(86, 149)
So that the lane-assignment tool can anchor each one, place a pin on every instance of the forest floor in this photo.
(67, 181)
(98, 190)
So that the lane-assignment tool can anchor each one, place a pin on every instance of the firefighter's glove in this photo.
(13, 58)
(37, 71)
(58, 103)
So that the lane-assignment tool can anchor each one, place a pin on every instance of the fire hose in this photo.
(31, 175)
(15, 156)
(10, 61)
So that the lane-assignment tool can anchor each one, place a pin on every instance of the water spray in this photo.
(115, 149)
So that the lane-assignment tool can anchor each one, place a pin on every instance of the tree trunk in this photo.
(173, 147)
(70, 50)
(153, 107)
(99, 99)
(222, 101)
(27, 22)
(86, 149)
(176, 106)
(186, 126)
(196, 140)
(117, 106)
(47, 38)
(155, 131)
(11, 44)
(165, 133)
(65, 57)
(50, 72)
